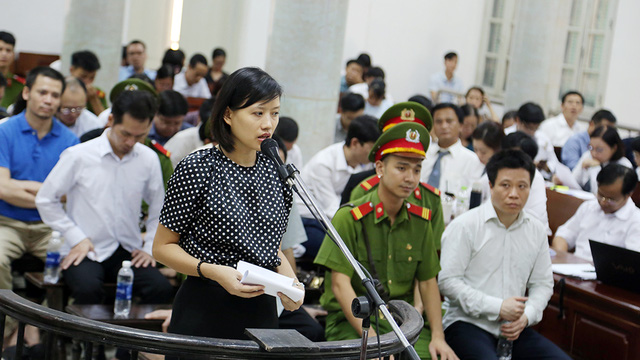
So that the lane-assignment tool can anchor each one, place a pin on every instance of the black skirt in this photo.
(204, 308)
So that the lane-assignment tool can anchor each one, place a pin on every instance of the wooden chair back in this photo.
(560, 208)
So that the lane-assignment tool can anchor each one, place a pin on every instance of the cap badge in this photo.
(131, 87)
(413, 136)
(408, 115)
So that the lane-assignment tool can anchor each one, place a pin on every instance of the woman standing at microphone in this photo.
(223, 205)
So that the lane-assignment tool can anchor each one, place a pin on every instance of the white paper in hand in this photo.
(272, 281)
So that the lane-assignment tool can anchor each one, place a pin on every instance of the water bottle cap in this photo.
(55, 234)
(126, 264)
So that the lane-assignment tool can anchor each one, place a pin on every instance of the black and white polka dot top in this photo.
(225, 212)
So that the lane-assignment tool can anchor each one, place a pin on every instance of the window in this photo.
(495, 47)
(587, 49)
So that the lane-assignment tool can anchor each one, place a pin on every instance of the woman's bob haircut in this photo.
(242, 89)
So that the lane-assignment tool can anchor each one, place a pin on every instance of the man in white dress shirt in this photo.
(288, 130)
(612, 218)
(491, 257)
(191, 82)
(528, 120)
(105, 181)
(73, 111)
(449, 165)
(561, 127)
(327, 173)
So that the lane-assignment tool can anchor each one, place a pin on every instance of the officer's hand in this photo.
(140, 258)
(512, 308)
(77, 254)
(92, 93)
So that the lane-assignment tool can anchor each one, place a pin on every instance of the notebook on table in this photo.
(616, 266)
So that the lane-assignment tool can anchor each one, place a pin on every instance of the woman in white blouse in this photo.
(605, 147)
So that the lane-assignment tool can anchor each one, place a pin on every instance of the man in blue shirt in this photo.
(136, 55)
(30, 144)
(578, 143)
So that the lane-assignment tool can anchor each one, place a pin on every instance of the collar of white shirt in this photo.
(626, 212)
(454, 149)
(489, 212)
(104, 147)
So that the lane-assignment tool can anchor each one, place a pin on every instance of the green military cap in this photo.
(408, 111)
(408, 139)
(129, 85)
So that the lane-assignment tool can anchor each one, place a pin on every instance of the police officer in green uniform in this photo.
(392, 239)
(424, 195)
(85, 66)
(15, 83)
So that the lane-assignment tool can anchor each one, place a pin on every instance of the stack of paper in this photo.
(582, 271)
(272, 281)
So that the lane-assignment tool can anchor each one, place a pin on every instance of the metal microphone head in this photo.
(269, 147)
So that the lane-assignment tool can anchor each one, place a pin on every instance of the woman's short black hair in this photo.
(612, 172)
(378, 87)
(475, 88)
(243, 88)
(422, 100)
(522, 141)
(469, 110)
(287, 129)
(509, 159)
(490, 133)
(610, 136)
(165, 72)
(509, 115)
(218, 52)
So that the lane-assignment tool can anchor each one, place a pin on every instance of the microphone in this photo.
(270, 148)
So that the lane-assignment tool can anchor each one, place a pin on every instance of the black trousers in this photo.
(86, 279)
(470, 342)
(303, 322)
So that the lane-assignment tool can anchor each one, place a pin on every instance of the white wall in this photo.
(38, 25)
(624, 73)
(409, 38)
(150, 22)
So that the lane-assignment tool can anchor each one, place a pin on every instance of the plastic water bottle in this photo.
(504, 348)
(52, 264)
(124, 289)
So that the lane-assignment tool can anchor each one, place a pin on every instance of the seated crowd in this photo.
(396, 174)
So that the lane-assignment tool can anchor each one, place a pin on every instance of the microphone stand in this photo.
(361, 306)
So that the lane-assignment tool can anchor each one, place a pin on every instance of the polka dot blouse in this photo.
(225, 212)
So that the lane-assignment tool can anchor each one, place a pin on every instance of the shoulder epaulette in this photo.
(419, 211)
(370, 183)
(434, 190)
(101, 94)
(362, 210)
(19, 79)
(160, 148)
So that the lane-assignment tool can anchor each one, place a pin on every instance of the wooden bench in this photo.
(560, 208)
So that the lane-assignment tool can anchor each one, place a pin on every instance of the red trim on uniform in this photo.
(417, 193)
(379, 211)
(370, 183)
(361, 211)
(432, 189)
(419, 211)
(160, 148)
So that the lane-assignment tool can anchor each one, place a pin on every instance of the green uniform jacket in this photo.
(427, 197)
(401, 253)
(14, 87)
(103, 100)
(165, 161)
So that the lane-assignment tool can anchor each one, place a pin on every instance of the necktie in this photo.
(434, 178)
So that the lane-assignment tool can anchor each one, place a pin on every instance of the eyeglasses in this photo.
(599, 150)
(606, 200)
(71, 111)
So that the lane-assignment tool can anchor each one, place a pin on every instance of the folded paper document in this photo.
(272, 281)
(582, 271)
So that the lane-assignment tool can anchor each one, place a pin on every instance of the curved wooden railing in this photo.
(90, 331)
